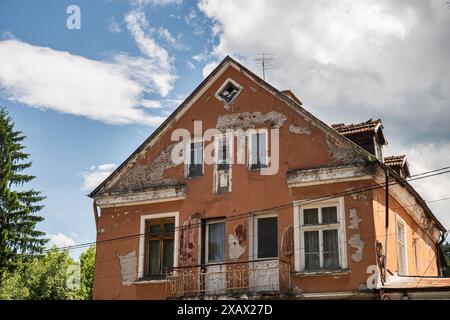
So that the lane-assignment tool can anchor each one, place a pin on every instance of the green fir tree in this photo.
(18, 205)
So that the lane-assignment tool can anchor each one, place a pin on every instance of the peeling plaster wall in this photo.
(299, 130)
(355, 240)
(287, 241)
(142, 176)
(341, 151)
(236, 242)
(189, 239)
(128, 268)
(248, 120)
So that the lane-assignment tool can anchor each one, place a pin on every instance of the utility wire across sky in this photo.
(420, 176)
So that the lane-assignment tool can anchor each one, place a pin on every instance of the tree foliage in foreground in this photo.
(87, 265)
(52, 276)
(18, 205)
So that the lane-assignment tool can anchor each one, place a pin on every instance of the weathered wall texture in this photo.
(303, 145)
(420, 238)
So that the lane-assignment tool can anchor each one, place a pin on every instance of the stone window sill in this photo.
(150, 281)
(322, 272)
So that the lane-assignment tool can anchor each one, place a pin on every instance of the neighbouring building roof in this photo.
(395, 160)
(367, 126)
(370, 125)
(399, 164)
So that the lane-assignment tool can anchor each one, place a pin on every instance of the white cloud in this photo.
(155, 70)
(151, 104)
(374, 56)
(112, 91)
(96, 174)
(200, 57)
(167, 36)
(426, 157)
(154, 2)
(49, 79)
(349, 61)
(190, 65)
(60, 240)
(114, 26)
(175, 43)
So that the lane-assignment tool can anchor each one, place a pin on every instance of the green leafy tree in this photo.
(52, 276)
(446, 250)
(18, 206)
(87, 265)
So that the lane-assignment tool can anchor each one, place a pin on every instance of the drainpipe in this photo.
(386, 171)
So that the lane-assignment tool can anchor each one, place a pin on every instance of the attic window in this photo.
(229, 91)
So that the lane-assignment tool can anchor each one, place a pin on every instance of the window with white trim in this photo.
(222, 175)
(195, 163)
(266, 236)
(257, 149)
(215, 241)
(228, 91)
(321, 233)
(401, 246)
(159, 246)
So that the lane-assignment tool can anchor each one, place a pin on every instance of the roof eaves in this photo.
(160, 128)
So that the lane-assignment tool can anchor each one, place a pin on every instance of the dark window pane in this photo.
(155, 229)
(229, 92)
(267, 237)
(154, 262)
(254, 150)
(329, 215)
(258, 152)
(196, 161)
(216, 242)
(169, 228)
(223, 154)
(312, 258)
(262, 148)
(167, 255)
(311, 216)
(330, 249)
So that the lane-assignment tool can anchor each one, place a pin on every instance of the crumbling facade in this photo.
(313, 227)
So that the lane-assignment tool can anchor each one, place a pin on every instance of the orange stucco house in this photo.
(289, 207)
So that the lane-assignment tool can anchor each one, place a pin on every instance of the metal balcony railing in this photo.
(268, 276)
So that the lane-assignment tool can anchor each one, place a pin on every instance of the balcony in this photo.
(269, 277)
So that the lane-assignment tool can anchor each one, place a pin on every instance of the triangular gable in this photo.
(338, 140)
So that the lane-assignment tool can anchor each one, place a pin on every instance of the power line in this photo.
(246, 214)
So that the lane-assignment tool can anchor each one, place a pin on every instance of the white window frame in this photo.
(229, 80)
(188, 157)
(299, 230)
(176, 240)
(253, 252)
(209, 222)
(399, 220)
(230, 140)
(251, 132)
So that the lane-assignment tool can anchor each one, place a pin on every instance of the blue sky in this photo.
(87, 98)
(65, 146)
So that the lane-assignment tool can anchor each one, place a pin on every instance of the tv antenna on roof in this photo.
(264, 62)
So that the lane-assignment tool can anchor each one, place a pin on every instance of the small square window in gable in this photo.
(228, 91)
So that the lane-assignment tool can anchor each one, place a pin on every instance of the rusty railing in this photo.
(268, 276)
